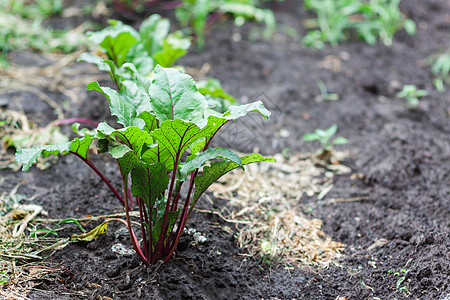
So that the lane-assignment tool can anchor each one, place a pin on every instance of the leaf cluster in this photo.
(412, 94)
(370, 20)
(152, 45)
(163, 143)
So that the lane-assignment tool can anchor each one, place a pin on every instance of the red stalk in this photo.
(183, 218)
(133, 238)
(159, 244)
(142, 220)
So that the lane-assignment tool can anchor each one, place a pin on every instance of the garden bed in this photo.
(391, 212)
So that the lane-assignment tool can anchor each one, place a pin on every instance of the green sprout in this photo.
(412, 94)
(324, 137)
(402, 277)
(441, 71)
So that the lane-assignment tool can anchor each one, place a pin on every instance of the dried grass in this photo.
(18, 252)
(266, 210)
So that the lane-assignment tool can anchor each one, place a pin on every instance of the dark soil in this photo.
(403, 157)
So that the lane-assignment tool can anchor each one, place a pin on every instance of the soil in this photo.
(400, 160)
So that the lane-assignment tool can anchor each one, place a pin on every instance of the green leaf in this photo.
(132, 137)
(29, 156)
(168, 56)
(213, 87)
(218, 169)
(340, 141)
(132, 94)
(151, 123)
(310, 137)
(173, 47)
(127, 163)
(155, 153)
(174, 95)
(149, 181)
(152, 32)
(235, 112)
(116, 40)
(117, 74)
(125, 112)
(198, 146)
(177, 135)
(127, 154)
(329, 132)
(81, 146)
(94, 59)
(410, 26)
(118, 150)
(199, 160)
(142, 83)
(140, 58)
(172, 217)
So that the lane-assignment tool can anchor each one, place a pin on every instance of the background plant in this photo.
(402, 274)
(152, 45)
(323, 136)
(370, 20)
(441, 70)
(21, 28)
(412, 94)
(198, 13)
(163, 144)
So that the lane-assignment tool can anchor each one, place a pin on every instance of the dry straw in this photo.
(267, 210)
(18, 251)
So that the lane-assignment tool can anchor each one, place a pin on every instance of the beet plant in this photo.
(163, 154)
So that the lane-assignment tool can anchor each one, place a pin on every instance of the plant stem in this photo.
(141, 206)
(183, 218)
(177, 197)
(159, 244)
(100, 174)
(133, 238)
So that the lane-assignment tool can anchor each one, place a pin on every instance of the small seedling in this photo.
(412, 94)
(402, 277)
(441, 71)
(323, 136)
(164, 144)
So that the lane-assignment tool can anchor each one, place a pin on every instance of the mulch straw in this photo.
(19, 253)
(267, 210)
